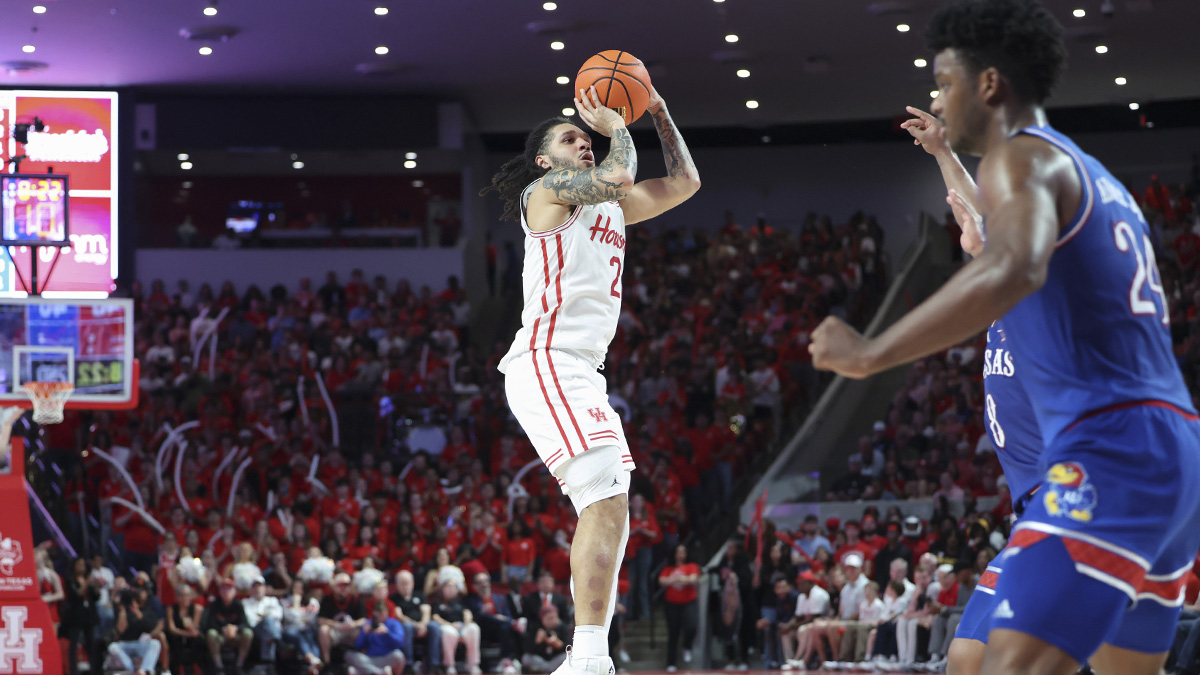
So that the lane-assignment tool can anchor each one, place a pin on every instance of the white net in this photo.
(48, 400)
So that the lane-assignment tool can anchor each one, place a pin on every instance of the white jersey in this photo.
(572, 282)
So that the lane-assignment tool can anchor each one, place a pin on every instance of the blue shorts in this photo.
(976, 617)
(1101, 552)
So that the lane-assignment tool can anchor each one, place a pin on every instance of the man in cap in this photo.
(223, 623)
(342, 614)
(263, 615)
(854, 544)
(945, 623)
(852, 594)
(812, 604)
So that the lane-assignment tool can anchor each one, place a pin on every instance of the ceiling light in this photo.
(183, 157)
(556, 45)
(39, 9)
(1101, 49)
(1120, 80)
(1134, 106)
(934, 93)
(718, 0)
(903, 28)
(28, 49)
(297, 165)
(549, 6)
(743, 73)
(731, 38)
(562, 79)
(410, 164)
(920, 63)
(210, 11)
(1080, 13)
(752, 104)
(381, 50)
(410, 155)
(418, 183)
(205, 51)
(567, 112)
(187, 185)
(186, 166)
(381, 11)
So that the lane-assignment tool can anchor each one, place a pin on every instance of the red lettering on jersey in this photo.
(607, 234)
(598, 414)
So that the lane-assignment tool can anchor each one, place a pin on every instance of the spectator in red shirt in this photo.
(681, 580)
(854, 544)
(643, 534)
(519, 555)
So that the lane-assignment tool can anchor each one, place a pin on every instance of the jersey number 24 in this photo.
(1146, 274)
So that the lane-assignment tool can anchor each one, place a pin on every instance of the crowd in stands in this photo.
(353, 451)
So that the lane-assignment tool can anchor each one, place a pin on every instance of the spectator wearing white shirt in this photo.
(871, 460)
(850, 597)
(160, 351)
(764, 392)
(812, 604)
(869, 614)
(264, 615)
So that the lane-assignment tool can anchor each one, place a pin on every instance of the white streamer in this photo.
(124, 474)
(216, 483)
(212, 358)
(237, 477)
(141, 512)
(179, 483)
(270, 500)
(333, 418)
(303, 403)
(199, 346)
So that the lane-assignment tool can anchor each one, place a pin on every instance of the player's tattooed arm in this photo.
(609, 181)
(675, 151)
(652, 197)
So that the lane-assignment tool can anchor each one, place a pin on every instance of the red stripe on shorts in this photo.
(546, 395)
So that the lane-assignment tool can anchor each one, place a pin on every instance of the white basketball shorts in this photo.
(561, 402)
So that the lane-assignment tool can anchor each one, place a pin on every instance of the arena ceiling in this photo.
(809, 60)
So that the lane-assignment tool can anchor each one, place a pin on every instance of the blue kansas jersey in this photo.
(1011, 423)
(1097, 333)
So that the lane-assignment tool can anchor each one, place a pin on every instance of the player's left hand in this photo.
(656, 101)
(838, 347)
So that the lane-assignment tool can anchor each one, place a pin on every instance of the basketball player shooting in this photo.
(574, 211)
(1095, 566)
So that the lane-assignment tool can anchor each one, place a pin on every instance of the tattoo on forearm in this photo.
(675, 151)
(594, 186)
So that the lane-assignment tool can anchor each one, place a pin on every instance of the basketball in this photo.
(621, 82)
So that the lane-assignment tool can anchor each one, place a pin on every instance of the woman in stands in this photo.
(50, 584)
(183, 631)
(300, 611)
(78, 612)
(444, 572)
(366, 546)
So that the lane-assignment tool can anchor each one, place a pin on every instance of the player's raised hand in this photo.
(927, 131)
(656, 101)
(969, 220)
(596, 115)
(838, 347)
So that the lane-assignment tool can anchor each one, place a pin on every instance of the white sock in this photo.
(589, 642)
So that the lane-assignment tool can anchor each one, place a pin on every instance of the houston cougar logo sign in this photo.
(19, 646)
(10, 555)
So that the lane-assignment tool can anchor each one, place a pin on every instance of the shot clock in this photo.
(33, 210)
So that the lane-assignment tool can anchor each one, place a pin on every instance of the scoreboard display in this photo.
(78, 235)
(33, 210)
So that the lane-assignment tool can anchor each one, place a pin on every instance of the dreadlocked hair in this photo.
(1020, 38)
(517, 173)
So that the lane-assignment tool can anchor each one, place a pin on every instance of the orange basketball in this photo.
(621, 81)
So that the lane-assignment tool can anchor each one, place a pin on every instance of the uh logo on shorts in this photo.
(1068, 492)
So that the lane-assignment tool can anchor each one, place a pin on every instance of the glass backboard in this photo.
(88, 343)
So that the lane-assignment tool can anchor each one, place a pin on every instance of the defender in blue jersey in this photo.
(1011, 424)
(1095, 567)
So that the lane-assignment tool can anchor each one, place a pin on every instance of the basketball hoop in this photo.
(48, 400)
